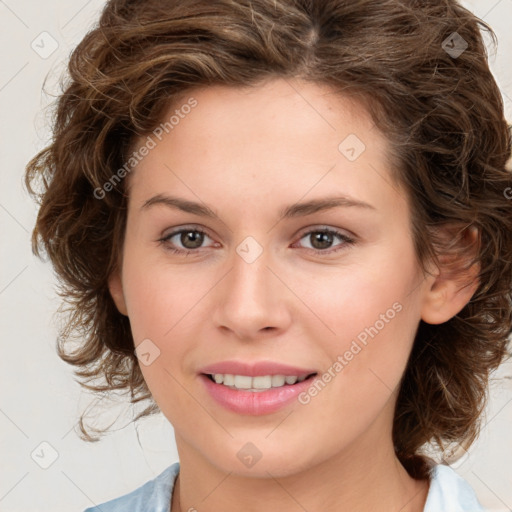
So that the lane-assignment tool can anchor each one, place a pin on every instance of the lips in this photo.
(255, 369)
(252, 402)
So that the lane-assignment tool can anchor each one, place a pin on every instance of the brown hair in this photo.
(442, 114)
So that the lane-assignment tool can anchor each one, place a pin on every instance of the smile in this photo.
(255, 395)
(258, 383)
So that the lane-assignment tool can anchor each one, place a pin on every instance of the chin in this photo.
(262, 460)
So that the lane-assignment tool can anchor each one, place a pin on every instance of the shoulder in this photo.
(449, 492)
(153, 496)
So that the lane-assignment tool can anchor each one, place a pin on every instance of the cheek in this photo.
(165, 310)
(160, 299)
(374, 323)
(369, 317)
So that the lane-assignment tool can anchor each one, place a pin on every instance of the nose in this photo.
(252, 301)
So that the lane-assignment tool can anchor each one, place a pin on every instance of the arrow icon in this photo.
(44, 455)
(249, 455)
(147, 352)
(249, 249)
(351, 147)
(44, 44)
(454, 45)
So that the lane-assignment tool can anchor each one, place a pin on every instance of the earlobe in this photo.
(452, 287)
(115, 287)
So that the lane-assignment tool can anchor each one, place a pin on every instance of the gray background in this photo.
(40, 402)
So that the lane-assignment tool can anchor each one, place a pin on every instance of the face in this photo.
(332, 291)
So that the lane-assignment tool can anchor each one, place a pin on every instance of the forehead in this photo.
(283, 135)
(284, 107)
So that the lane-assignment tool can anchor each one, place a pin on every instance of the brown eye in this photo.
(322, 239)
(185, 240)
(195, 238)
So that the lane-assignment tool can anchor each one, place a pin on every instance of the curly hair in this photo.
(440, 110)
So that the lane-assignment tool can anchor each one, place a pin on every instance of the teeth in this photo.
(228, 380)
(243, 382)
(278, 381)
(259, 383)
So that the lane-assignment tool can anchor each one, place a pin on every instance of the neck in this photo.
(376, 482)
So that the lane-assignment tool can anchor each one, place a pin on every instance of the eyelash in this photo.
(347, 241)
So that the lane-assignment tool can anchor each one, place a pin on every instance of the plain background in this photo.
(40, 401)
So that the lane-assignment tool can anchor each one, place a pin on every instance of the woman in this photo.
(284, 224)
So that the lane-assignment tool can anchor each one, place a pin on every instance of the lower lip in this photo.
(255, 403)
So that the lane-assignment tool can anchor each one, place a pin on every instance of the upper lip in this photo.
(255, 369)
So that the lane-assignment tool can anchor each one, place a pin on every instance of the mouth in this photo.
(255, 387)
(257, 394)
(257, 383)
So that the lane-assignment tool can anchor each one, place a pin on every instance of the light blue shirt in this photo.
(448, 492)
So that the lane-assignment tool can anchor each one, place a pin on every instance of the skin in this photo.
(248, 153)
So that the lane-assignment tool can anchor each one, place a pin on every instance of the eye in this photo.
(323, 239)
(190, 238)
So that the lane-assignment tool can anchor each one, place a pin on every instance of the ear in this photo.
(115, 287)
(453, 283)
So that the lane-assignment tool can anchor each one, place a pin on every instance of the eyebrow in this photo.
(295, 210)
